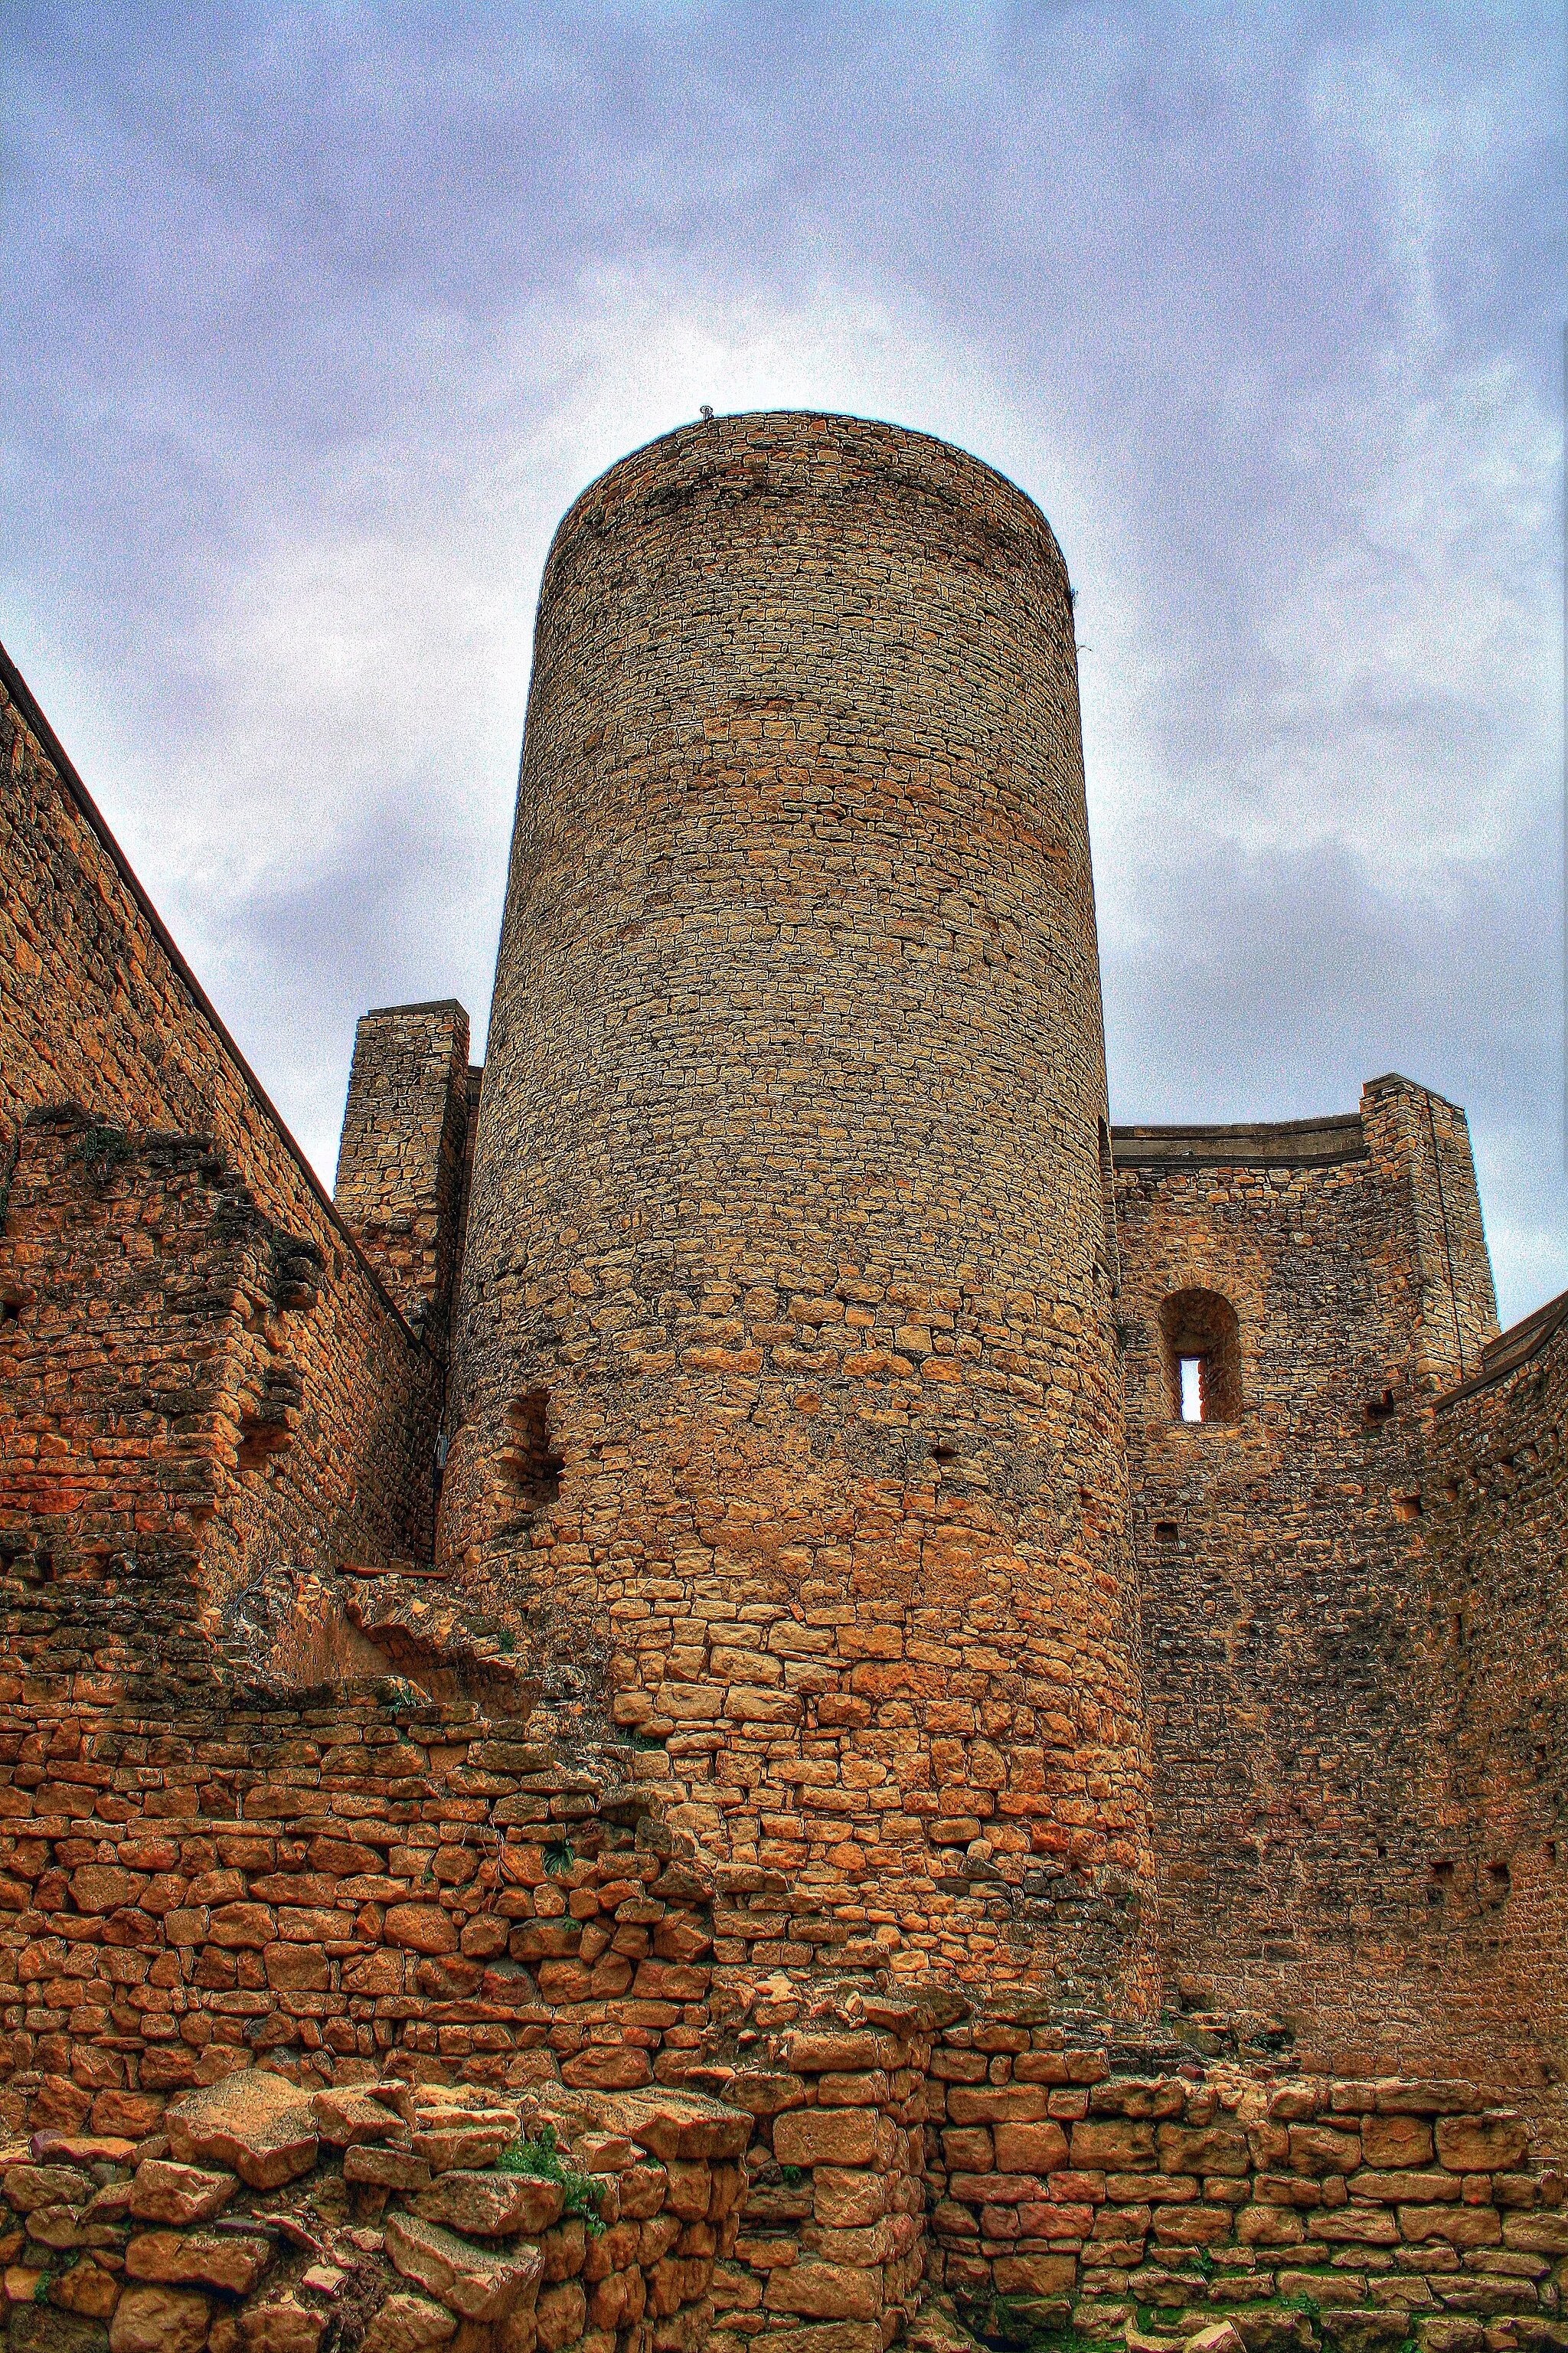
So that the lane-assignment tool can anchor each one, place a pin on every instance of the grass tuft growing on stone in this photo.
(541, 2160)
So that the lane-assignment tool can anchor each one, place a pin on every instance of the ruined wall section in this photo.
(405, 1152)
(784, 1390)
(1492, 1547)
(1426, 1140)
(173, 1392)
(333, 1885)
(98, 1010)
(1296, 1690)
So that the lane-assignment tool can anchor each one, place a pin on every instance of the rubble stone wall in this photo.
(393, 2218)
(181, 1406)
(329, 1888)
(1489, 1555)
(788, 1227)
(831, 2251)
(1381, 2211)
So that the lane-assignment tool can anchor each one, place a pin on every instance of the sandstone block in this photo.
(1039, 2148)
(988, 2103)
(349, 2119)
(1543, 2234)
(421, 1927)
(1112, 2142)
(99, 1887)
(198, 2258)
(253, 2122)
(1399, 2142)
(296, 1968)
(159, 2320)
(846, 2200)
(560, 2315)
(30, 2187)
(1458, 2226)
(1492, 2143)
(824, 2291)
(842, 2136)
(281, 2325)
(164, 2192)
(131, 2113)
(490, 2205)
(410, 2324)
(670, 2123)
(467, 2143)
(479, 2283)
(1438, 2096)
(1270, 2226)
(1202, 2148)
(1358, 2226)
(385, 2169)
(1432, 2186)
(848, 2052)
(243, 1926)
(1033, 2275)
(1317, 2149)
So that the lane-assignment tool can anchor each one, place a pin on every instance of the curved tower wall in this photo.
(786, 1410)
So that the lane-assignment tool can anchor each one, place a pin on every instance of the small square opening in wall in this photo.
(1200, 1347)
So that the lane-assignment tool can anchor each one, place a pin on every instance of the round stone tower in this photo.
(785, 1415)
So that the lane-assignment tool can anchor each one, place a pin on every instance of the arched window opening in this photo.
(1200, 1346)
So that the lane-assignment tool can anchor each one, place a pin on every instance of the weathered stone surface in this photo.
(840, 2137)
(166, 2192)
(480, 2282)
(410, 2324)
(1485, 2144)
(253, 2122)
(159, 2320)
(465, 2144)
(385, 2169)
(204, 2258)
(490, 2205)
(282, 2325)
(824, 2291)
(349, 2118)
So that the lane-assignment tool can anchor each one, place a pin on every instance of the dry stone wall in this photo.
(1367, 2212)
(395, 2217)
(326, 1889)
(183, 1402)
(1489, 1549)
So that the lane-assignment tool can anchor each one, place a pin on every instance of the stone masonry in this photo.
(770, 1688)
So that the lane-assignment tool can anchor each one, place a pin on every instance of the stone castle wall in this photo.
(155, 1198)
(1355, 1707)
(784, 1384)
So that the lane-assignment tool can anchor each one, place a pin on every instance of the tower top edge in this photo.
(791, 431)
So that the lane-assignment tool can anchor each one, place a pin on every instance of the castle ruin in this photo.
(760, 1543)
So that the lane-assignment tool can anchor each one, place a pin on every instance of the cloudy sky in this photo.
(317, 317)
